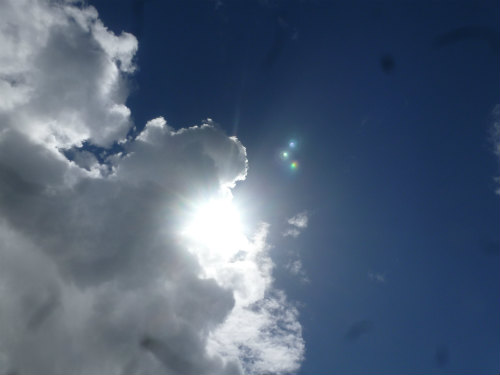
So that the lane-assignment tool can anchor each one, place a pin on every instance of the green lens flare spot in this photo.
(285, 155)
(294, 165)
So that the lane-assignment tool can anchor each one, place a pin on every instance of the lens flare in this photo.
(292, 144)
(294, 165)
(285, 155)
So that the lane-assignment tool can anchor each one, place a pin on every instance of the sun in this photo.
(215, 226)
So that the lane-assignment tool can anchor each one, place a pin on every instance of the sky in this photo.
(258, 186)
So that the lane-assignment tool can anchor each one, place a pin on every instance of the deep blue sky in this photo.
(396, 166)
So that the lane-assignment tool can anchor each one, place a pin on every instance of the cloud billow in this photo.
(91, 259)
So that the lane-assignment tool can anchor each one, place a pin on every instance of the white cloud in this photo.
(300, 220)
(91, 259)
(291, 232)
(295, 267)
(54, 59)
(297, 224)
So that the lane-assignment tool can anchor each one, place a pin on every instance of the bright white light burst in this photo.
(215, 226)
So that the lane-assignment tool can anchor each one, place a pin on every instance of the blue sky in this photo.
(391, 265)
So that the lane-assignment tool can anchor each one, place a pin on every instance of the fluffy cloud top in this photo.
(60, 65)
(95, 275)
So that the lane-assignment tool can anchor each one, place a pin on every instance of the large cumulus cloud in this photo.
(94, 275)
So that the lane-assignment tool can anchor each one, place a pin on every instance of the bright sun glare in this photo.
(216, 226)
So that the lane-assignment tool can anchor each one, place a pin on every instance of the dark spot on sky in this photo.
(283, 34)
(169, 355)
(13, 181)
(13, 79)
(485, 34)
(147, 343)
(138, 15)
(358, 329)
(442, 356)
(387, 63)
(43, 311)
(491, 248)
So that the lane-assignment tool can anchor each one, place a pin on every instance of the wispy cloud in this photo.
(300, 220)
(296, 268)
(377, 277)
(297, 224)
(291, 232)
